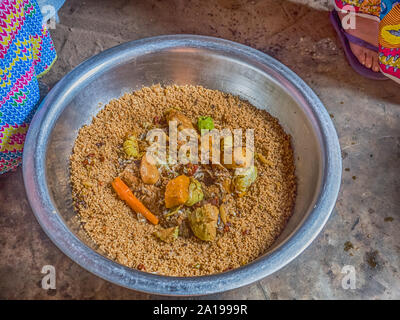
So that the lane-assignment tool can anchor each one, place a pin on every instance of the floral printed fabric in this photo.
(371, 7)
(388, 12)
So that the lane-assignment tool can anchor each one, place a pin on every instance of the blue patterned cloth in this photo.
(26, 53)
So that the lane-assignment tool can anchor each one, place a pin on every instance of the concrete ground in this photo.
(363, 231)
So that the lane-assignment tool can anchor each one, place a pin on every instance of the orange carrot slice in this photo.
(126, 194)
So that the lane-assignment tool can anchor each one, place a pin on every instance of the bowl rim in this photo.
(34, 157)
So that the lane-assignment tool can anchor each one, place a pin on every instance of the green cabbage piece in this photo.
(203, 222)
(195, 192)
(244, 178)
(205, 123)
(131, 147)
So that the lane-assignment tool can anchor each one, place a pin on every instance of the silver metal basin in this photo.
(184, 59)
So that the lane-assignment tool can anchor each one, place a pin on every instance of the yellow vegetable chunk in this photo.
(131, 147)
(182, 121)
(223, 213)
(177, 191)
(148, 170)
(167, 235)
(203, 222)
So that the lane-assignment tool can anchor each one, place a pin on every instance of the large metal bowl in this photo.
(181, 59)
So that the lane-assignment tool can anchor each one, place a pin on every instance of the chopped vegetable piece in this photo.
(203, 222)
(167, 235)
(177, 191)
(263, 159)
(125, 194)
(148, 170)
(131, 147)
(244, 178)
(227, 185)
(241, 158)
(183, 122)
(223, 213)
(195, 192)
(174, 211)
(205, 123)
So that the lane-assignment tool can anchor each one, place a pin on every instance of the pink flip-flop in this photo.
(345, 39)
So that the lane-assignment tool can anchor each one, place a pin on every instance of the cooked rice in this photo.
(256, 219)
